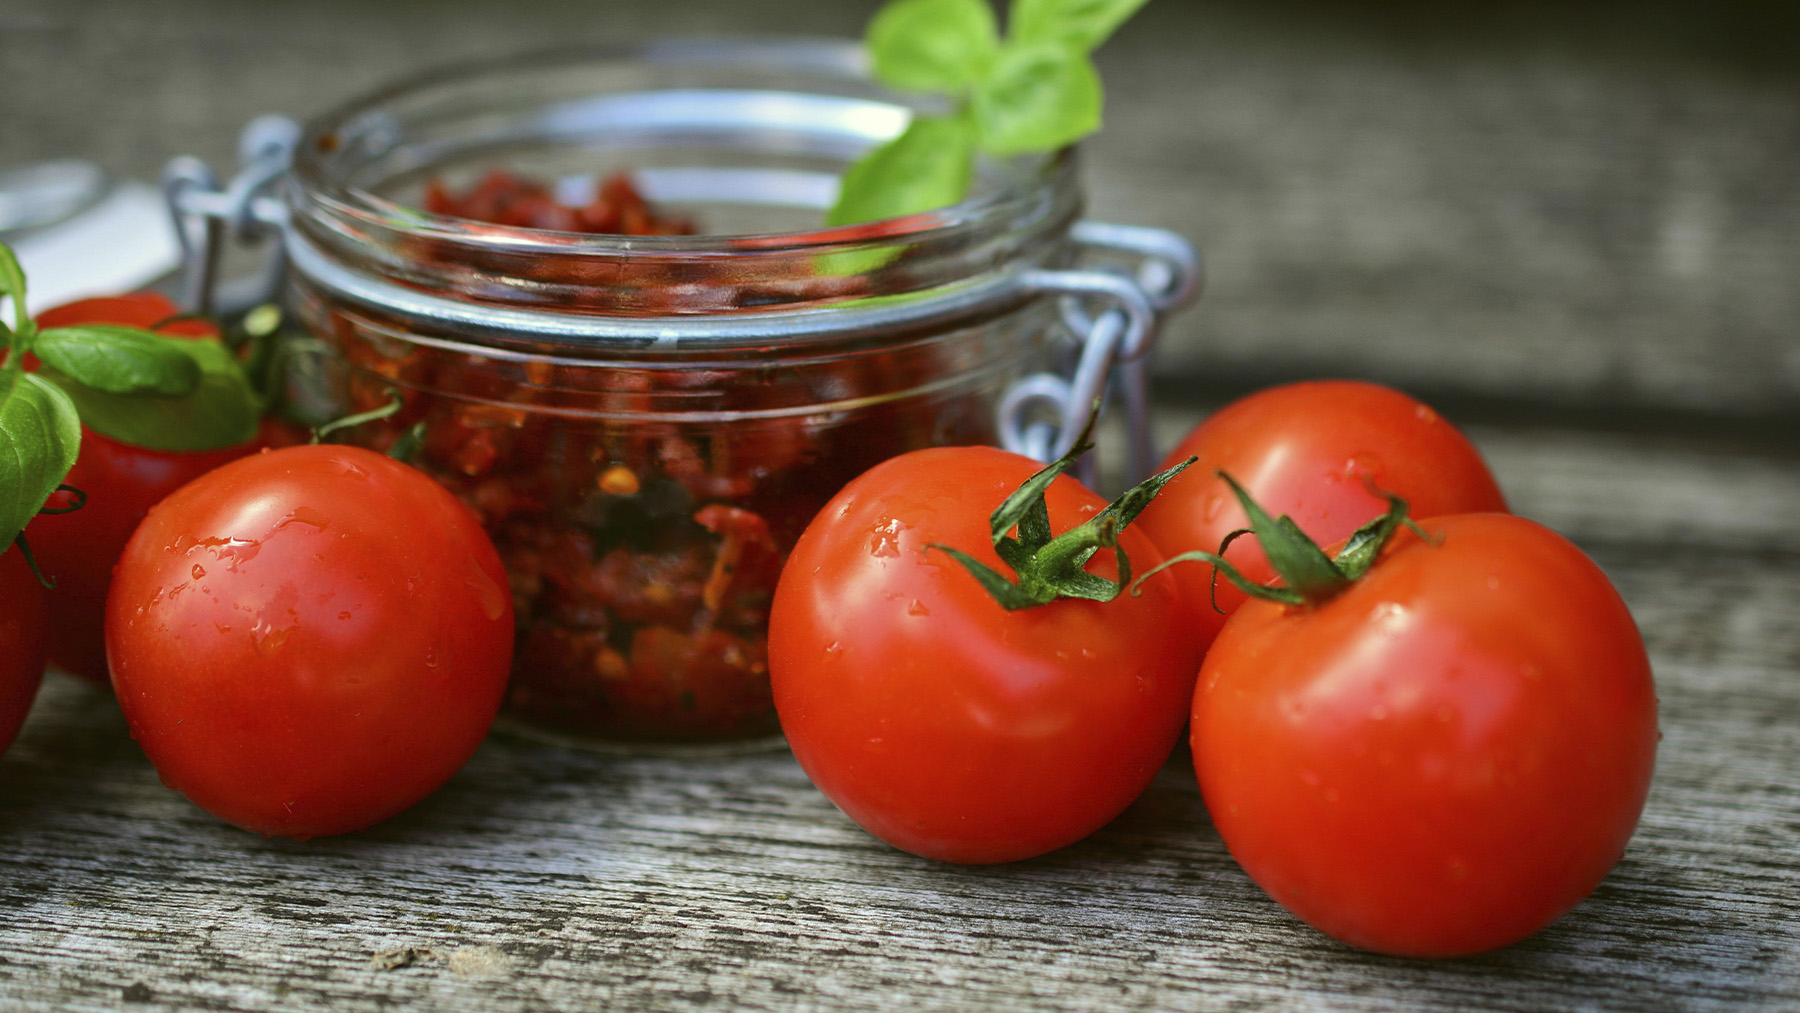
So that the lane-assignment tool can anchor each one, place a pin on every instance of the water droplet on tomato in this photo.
(305, 515)
(1390, 617)
(233, 551)
(269, 638)
(917, 608)
(198, 571)
(1361, 466)
(492, 598)
(885, 539)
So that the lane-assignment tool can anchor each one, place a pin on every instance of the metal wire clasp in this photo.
(1141, 274)
(245, 211)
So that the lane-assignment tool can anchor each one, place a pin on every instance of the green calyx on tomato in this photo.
(1308, 575)
(132, 385)
(1035, 90)
(404, 448)
(395, 403)
(1055, 566)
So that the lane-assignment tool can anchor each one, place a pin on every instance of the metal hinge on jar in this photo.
(1144, 273)
(245, 211)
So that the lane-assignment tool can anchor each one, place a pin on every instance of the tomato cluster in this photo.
(1431, 740)
(1433, 743)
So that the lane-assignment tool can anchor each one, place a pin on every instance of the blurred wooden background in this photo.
(1524, 210)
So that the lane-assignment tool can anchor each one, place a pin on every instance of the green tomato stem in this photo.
(1308, 576)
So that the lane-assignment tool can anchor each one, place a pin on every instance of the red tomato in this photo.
(308, 641)
(21, 642)
(1445, 757)
(77, 550)
(1313, 451)
(137, 309)
(939, 721)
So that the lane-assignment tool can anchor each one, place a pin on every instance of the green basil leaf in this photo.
(1038, 97)
(929, 166)
(120, 360)
(12, 283)
(223, 410)
(933, 45)
(40, 435)
(1083, 24)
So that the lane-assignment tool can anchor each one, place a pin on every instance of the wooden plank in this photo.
(547, 877)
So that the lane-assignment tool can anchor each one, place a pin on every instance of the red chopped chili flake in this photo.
(501, 198)
(642, 553)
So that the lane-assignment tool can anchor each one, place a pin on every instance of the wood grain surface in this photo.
(1575, 227)
(544, 877)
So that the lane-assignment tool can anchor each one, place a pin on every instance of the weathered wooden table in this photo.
(1584, 245)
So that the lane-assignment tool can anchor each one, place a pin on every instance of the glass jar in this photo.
(646, 424)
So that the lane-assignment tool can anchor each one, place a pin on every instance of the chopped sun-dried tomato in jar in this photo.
(643, 553)
(647, 400)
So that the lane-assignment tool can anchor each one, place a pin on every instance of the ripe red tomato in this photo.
(1445, 757)
(77, 550)
(939, 721)
(1314, 451)
(308, 641)
(21, 642)
(136, 309)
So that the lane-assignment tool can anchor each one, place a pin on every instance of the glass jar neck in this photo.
(747, 131)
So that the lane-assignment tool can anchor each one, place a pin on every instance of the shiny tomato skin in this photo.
(135, 309)
(21, 642)
(1314, 451)
(309, 640)
(943, 724)
(1443, 759)
(77, 550)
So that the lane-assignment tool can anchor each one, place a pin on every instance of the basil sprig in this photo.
(39, 437)
(132, 385)
(1035, 90)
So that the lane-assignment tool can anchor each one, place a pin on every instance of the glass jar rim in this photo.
(997, 208)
